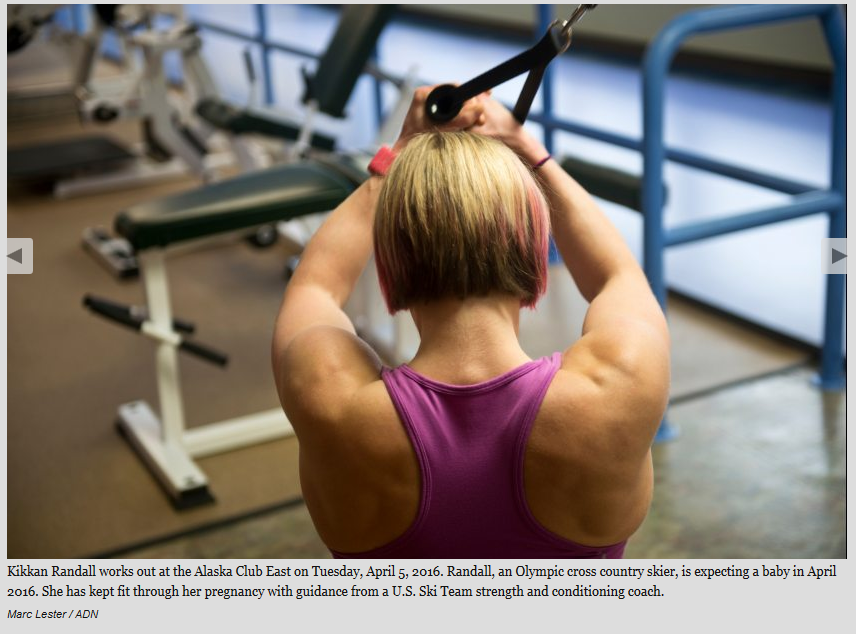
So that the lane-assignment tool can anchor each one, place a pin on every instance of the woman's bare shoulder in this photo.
(321, 371)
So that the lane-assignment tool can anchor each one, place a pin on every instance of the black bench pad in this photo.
(278, 193)
(608, 183)
(57, 159)
(225, 116)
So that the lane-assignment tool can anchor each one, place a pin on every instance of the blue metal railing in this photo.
(545, 17)
(807, 200)
(264, 42)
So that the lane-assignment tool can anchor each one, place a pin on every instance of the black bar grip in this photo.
(527, 95)
(124, 315)
(445, 102)
(111, 310)
(131, 316)
(204, 352)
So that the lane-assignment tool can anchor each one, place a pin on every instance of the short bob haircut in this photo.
(458, 216)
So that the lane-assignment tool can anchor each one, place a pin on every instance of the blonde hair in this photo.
(458, 216)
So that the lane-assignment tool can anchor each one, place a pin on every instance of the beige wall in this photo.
(797, 43)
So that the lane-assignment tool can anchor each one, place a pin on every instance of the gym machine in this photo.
(171, 145)
(156, 229)
(38, 80)
(326, 91)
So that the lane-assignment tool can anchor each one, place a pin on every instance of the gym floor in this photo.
(758, 470)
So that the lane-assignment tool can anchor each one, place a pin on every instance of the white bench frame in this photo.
(164, 442)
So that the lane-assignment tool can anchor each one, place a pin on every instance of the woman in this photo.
(472, 449)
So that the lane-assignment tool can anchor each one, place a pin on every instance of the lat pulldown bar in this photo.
(446, 101)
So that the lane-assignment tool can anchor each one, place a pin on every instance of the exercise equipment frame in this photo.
(167, 447)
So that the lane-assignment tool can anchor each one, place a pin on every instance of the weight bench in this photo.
(153, 229)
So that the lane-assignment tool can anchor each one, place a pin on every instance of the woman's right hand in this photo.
(499, 123)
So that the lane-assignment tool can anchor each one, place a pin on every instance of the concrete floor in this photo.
(757, 472)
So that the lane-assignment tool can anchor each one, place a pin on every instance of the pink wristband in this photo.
(382, 161)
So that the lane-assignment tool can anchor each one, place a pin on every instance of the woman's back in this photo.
(470, 442)
(459, 229)
(488, 455)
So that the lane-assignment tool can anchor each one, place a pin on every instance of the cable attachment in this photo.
(576, 16)
(445, 102)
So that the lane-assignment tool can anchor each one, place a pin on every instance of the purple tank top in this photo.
(470, 442)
